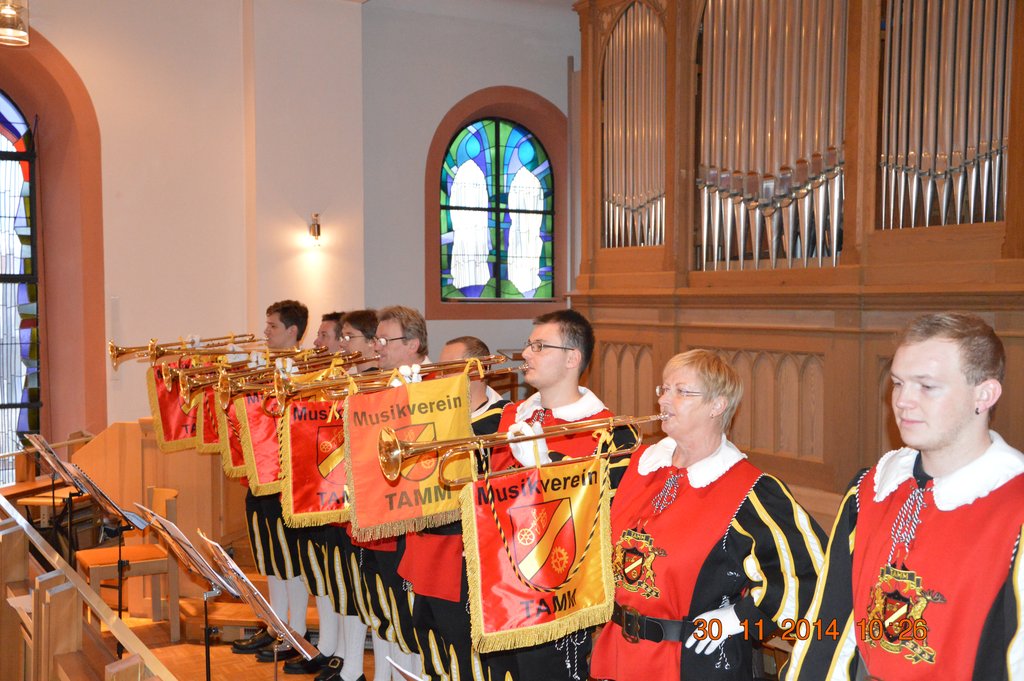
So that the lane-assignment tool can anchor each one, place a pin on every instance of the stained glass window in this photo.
(19, 313)
(497, 215)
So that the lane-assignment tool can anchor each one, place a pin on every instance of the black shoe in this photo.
(304, 666)
(247, 646)
(331, 670)
(284, 651)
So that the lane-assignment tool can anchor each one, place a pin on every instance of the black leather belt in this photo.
(636, 626)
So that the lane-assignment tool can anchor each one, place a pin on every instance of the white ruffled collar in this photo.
(998, 465)
(700, 474)
(588, 406)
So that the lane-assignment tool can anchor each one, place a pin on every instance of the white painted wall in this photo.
(420, 58)
(225, 124)
(206, 192)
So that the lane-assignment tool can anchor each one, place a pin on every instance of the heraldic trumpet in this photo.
(284, 389)
(393, 452)
(154, 350)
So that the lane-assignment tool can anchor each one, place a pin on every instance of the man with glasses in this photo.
(401, 337)
(344, 556)
(556, 355)
(400, 340)
(358, 329)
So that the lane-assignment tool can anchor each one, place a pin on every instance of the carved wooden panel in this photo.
(782, 408)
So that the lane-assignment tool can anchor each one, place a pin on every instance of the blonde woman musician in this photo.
(709, 553)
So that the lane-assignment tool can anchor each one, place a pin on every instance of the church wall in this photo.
(420, 59)
(223, 126)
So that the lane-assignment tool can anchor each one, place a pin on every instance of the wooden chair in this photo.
(146, 559)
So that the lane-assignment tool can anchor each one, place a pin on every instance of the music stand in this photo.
(251, 595)
(58, 469)
(193, 561)
(126, 520)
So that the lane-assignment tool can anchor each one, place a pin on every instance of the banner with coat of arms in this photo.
(312, 456)
(426, 411)
(258, 432)
(538, 553)
(175, 430)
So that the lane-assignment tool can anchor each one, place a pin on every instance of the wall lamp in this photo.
(14, 23)
(314, 229)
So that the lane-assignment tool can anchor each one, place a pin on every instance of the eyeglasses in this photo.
(385, 341)
(539, 346)
(348, 337)
(660, 390)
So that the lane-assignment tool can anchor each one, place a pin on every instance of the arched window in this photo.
(19, 314)
(497, 215)
(495, 227)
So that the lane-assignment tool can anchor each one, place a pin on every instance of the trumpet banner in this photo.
(312, 454)
(261, 450)
(174, 429)
(208, 436)
(538, 553)
(427, 411)
(232, 460)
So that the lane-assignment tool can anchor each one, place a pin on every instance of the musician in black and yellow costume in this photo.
(434, 562)
(401, 340)
(344, 558)
(557, 353)
(313, 544)
(275, 555)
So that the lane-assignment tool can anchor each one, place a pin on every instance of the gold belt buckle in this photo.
(630, 623)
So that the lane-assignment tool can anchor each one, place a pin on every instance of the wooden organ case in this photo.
(787, 183)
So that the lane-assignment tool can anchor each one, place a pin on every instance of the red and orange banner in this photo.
(538, 553)
(231, 458)
(258, 432)
(208, 435)
(312, 456)
(174, 429)
(427, 411)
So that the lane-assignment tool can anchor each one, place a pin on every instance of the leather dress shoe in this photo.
(304, 666)
(278, 652)
(247, 646)
(331, 670)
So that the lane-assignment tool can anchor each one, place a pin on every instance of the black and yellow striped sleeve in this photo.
(826, 658)
(1001, 647)
(784, 555)
(624, 439)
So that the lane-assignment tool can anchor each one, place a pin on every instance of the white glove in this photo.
(411, 373)
(192, 340)
(257, 360)
(710, 640)
(528, 453)
(286, 365)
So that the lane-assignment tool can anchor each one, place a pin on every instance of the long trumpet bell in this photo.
(154, 350)
(393, 453)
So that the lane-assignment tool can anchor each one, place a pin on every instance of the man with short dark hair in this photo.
(328, 335)
(276, 558)
(556, 355)
(286, 324)
(924, 577)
